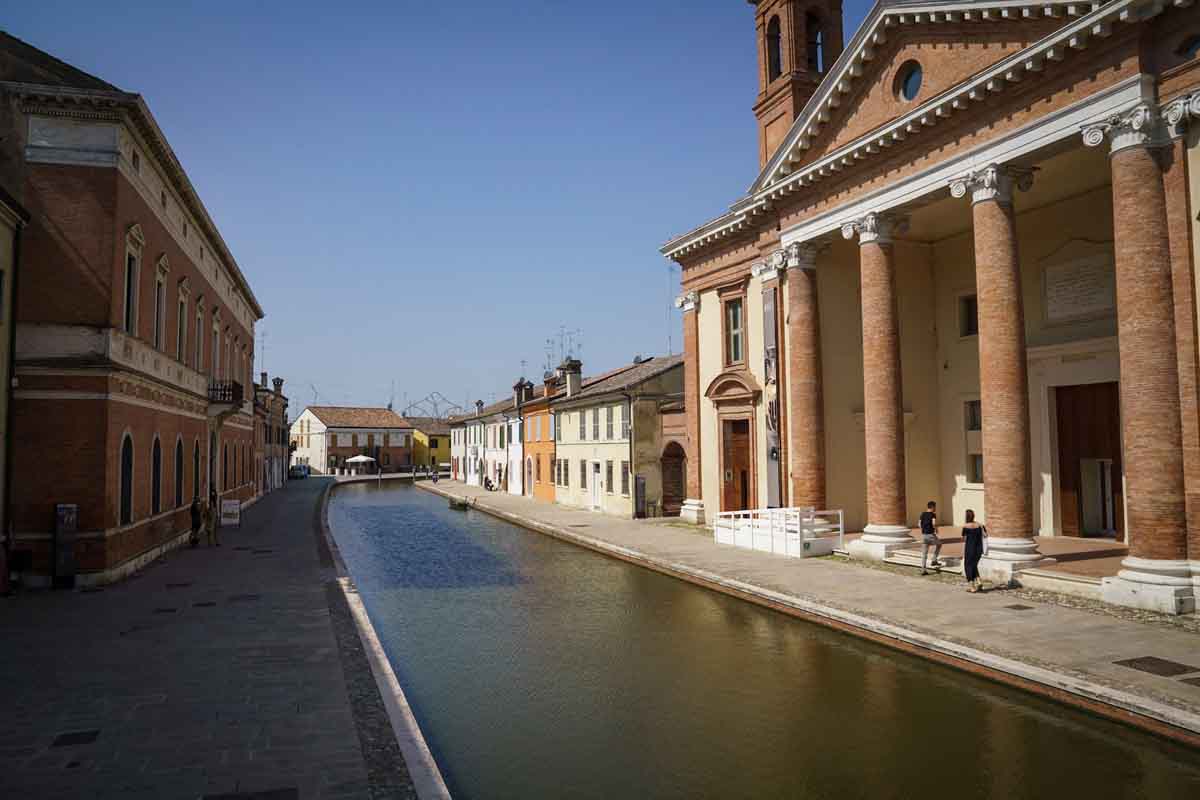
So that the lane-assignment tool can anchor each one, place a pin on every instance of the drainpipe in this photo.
(8, 412)
(632, 472)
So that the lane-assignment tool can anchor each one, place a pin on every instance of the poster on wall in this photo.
(231, 513)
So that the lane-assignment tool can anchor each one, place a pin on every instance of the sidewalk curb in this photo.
(422, 767)
(1149, 715)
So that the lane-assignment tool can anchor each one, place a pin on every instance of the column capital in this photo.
(993, 182)
(803, 255)
(688, 301)
(769, 270)
(875, 227)
(1140, 126)
(1179, 112)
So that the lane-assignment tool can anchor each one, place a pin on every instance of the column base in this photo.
(1152, 584)
(692, 511)
(1008, 556)
(880, 541)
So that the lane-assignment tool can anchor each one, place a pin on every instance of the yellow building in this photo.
(431, 440)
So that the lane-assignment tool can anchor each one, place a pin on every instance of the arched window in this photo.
(126, 480)
(815, 42)
(179, 473)
(774, 50)
(196, 471)
(156, 478)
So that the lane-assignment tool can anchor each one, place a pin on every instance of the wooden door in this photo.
(1089, 433)
(735, 465)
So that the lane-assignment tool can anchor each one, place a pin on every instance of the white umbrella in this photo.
(359, 459)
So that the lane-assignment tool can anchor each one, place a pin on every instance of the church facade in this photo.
(964, 273)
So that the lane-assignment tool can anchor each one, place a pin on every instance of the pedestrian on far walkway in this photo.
(197, 521)
(214, 538)
(973, 534)
(929, 537)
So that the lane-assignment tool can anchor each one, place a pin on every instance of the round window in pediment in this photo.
(908, 81)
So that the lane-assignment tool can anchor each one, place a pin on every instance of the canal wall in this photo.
(422, 767)
(1130, 702)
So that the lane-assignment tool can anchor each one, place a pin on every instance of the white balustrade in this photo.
(795, 532)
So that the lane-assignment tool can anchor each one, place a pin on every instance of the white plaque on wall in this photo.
(1081, 288)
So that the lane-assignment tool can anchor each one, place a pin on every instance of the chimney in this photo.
(278, 383)
(550, 382)
(519, 392)
(478, 407)
(572, 370)
(264, 380)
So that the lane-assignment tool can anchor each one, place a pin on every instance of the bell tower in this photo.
(798, 40)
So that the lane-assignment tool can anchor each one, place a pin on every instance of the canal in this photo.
(541, 670)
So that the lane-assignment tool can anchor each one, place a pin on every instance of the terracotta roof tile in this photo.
(358, 417)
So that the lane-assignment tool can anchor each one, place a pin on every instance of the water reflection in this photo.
(538, 669)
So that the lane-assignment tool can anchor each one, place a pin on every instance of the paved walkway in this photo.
(214, 672)
(1066, 652)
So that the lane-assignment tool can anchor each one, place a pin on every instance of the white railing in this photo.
(795, 532)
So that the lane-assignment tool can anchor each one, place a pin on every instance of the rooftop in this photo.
(358, 417)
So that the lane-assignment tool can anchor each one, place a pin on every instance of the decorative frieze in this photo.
(875, 228)
(993, 182)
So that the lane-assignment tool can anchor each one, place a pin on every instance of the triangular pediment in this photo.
(938, 59)
(953, 42)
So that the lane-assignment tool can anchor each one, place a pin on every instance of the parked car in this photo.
(297, 471)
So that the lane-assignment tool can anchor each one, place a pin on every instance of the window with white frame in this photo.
(608, 423)
(582, 425)
(608, 477)
(160, 306)
(596, 424)
(134, 242)
(624, 421)
(973, 437)
(625, 478)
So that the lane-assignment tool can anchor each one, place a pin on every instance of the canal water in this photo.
(541, 670)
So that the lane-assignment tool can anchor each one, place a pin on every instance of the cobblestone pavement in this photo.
(213, 672)
(1017, 632)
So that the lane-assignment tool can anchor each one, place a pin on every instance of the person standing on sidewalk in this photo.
(973, 534)
(214, 538)
(197, 521)
(929, 537)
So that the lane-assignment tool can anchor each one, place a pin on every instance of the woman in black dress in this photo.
(973, 538)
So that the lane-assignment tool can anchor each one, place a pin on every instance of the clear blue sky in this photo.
(425, 192)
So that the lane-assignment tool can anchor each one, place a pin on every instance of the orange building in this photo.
(539, 441)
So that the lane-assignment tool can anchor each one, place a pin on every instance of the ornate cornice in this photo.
(1140, 126)
(875, 228)
(993, 182)
(688, 301)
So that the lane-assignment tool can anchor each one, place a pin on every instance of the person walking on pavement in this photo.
(929, 537)
(214, 538)
(197, 521)
(973, 534)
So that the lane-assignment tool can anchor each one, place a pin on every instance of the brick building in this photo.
(1004, 194)
(325, 436)
(135, 327)
(12, 219)
(271, 452)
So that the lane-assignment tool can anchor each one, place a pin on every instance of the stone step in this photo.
(912, 558)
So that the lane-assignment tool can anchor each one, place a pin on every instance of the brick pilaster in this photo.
(1183, 287)
(882, 387)
(806, 406)
(1003, 373)
(691, 393)
(1149, 367)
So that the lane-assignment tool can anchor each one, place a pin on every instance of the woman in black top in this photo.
(973, 538)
